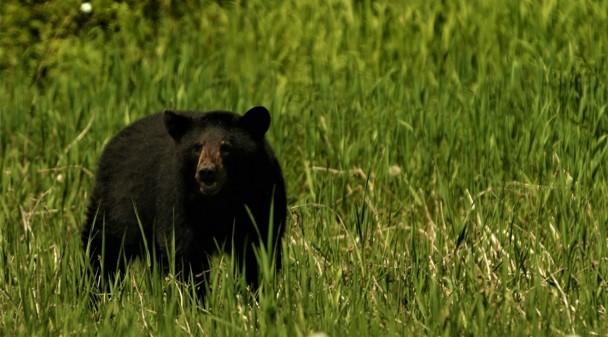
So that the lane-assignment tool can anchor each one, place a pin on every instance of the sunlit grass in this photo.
(445, 164)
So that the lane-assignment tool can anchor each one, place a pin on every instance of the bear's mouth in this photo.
(209, 189)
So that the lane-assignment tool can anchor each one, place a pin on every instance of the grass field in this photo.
(446, 165)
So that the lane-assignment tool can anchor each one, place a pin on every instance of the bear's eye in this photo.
(225, 148)
(196, 148)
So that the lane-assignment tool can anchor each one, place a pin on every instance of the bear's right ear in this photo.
(176, 125)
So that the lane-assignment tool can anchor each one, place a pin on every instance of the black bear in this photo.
(195, 182)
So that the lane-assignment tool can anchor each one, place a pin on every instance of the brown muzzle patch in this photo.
(210, 173)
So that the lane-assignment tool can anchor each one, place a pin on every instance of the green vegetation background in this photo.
(445, 160)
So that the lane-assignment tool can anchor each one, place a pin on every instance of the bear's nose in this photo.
(206, 175)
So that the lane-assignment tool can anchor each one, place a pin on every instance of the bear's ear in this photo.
(256, 120)
(176, 125)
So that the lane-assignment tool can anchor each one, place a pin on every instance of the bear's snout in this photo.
(210, 179)
(210, 173)
(207, 175)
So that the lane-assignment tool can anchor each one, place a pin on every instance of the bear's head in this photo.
(217, 149)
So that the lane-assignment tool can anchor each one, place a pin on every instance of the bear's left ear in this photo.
(176, 125)
(256, 120)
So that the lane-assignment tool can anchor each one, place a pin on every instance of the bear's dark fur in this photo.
(196, 178)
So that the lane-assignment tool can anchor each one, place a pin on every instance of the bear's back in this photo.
(127, 175)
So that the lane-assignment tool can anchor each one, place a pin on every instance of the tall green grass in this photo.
(445, 163)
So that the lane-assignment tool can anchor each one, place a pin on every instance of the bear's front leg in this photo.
(248, 264)
(195, 272)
